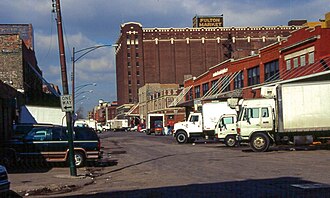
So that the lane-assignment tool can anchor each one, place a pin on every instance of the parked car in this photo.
(50, 144)
(4, 182)
(20, 130)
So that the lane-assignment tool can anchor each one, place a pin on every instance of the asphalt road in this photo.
(156, 166)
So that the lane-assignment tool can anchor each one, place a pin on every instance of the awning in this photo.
(218, 88)
(178, 99)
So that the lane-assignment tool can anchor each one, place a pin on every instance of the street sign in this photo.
(66, 103)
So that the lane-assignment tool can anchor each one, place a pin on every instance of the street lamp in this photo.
(74, 60)
(82, 92)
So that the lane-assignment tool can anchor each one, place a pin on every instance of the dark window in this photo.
(128, 55)
(137, 55)
(138, 82)
(128, 46)
(214, 86)
(205, 88)
(128, 64)
(137, 64)
(137, 73)
(84, 133)
(271, 71)
(253, 76)
(136, 46)
(129, 91)
(129, 82)
(197, 92)
(225, 85)
(129, 73)
(189, 95)
(239, 81)
(58, 134)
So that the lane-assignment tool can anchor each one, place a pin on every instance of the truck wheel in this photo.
(230, 141)
(181, 137)
(260, 142)
(79, 158)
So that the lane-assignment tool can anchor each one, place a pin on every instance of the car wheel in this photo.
(181, 137)
(230, 141)
(260, 142)
(79, 158)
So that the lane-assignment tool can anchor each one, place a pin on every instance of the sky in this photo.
(89, 23)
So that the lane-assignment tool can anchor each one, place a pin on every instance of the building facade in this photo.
(304, 53)
(171, 55)
(156, 98)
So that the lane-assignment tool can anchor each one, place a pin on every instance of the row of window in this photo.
(137, 73)
(271, 73)
(136, 64)
(136, 55)
(300, 61)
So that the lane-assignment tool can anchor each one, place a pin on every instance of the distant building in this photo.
(168, 55)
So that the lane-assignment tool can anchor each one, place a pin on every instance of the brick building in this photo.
(18, 63)
(170, 55)
(303, 54)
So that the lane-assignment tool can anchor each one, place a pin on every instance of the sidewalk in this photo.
(50, 180)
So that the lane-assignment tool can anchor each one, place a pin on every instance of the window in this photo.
(128, 55)
(129, 64)
(197, 92)
(129, 82)
(194, 118)
(138, 82)
(302, 60)
(136, 46)
(129, 73)
(295, 62)
(128, 46)
(137, 55)
(225, 85)
(253, 76)
(239, 81)
(311, 58)
(129, 91)
(214, 86)
(138, 73)
(251, 113)
(205, 88)
(228, 120)
(137, 64)
(271, 71)
(288, 64)
(189, 95)
(264, 112)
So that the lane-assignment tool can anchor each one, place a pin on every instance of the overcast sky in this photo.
(96, 22)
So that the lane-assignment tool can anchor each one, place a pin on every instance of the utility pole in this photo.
(73, 170)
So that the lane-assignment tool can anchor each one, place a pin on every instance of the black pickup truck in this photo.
(50, 144)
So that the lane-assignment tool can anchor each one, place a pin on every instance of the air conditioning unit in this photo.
(268, 92)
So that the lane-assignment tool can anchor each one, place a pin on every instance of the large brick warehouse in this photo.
(171, 55)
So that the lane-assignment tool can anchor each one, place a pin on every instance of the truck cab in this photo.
(225, 130)
(255, 121)
(185, 131)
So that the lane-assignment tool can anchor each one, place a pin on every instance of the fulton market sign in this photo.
(208, 21)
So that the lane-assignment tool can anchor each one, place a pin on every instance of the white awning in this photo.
(182, 94)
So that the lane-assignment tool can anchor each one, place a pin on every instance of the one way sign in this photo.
(66, 103)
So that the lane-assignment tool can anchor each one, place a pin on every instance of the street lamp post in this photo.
(74, 60)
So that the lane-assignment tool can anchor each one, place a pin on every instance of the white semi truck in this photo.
(297, 113)
(202, 125)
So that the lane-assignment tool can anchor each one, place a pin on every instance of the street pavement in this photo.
(156, 166)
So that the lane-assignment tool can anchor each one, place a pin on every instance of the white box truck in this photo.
(155, 123)
(296, 113)
(119, 125)
(201, 125)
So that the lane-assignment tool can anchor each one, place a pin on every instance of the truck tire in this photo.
(79, 158)
(181, 137)
(230, 141)
(260, 142)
